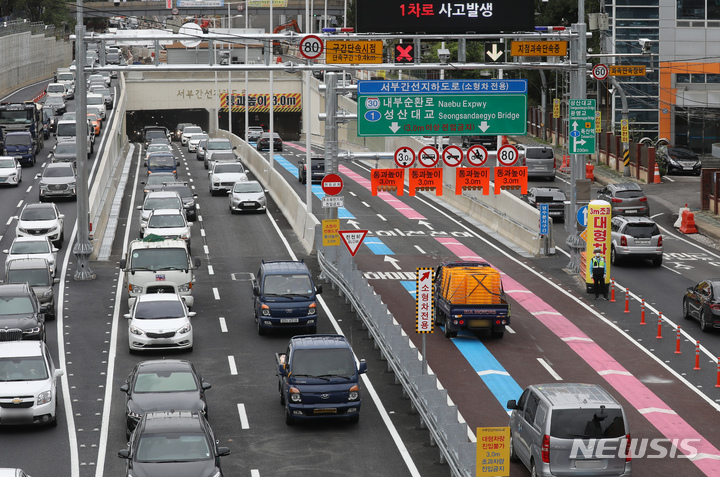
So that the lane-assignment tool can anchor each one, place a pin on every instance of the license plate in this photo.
(588, 464)
(688, 168)
(540, 168)
(642, 242)
(288, 320)
(248, 204)
(325, 410)
(630, 211)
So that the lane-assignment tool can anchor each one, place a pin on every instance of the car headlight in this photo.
(295, 395)
(185, 236)
(136, 416)
(185, 329)
(312, 309)
(135, 289)
(191, 204)
(32, 331)
(185, 288)
(215, 179)
(354, 393)
(136, 331)
(265, 310)
(672, 161)
(44, 397)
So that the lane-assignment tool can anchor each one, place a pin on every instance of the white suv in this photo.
(41, 220)
(28, 383)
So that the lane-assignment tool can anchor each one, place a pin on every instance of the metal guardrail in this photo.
(430, 401)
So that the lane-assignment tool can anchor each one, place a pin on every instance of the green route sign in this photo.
(582, 126)
(442, 107)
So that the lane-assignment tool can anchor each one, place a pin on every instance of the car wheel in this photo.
(614, 259)
(704, 325)
(54, 422)
(686, 309)
(533, 469)
(288, 418)
(261, 330)
(513, 454)
(282, 394)
(448, 333)
(552, 179)
(438, 317)
(657, 261)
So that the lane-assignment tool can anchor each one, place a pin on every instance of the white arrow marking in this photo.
(484, 126)
(393, 261)
(574, 125)
(354, 224)
(580, 141)
(426, 224)
(494, 54)
(394, 127)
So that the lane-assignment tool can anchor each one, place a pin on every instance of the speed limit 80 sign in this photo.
(311, 47)
(507, 155)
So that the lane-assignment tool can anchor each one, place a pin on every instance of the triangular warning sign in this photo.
(352, 239)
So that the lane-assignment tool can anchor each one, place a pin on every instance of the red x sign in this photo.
(404, 53)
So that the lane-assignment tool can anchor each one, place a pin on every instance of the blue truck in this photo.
(285, 297)
(19, 117)
(319, 379)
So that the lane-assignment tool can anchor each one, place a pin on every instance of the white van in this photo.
(65, 131)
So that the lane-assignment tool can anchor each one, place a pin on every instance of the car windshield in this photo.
(158, 310)
(64, 148)
(39, 277)
(163, 221)
(192, 129)
(587, 423)
(18, 140)
(7, 163)
(682, 153)
(198, 137)
(165, 382)
(154, 134)
(16, 117)
(183, 191)
(66, 130)
(549, 198)
(158, 148)
(642, 230)
(58, 172)
(16, 305)
(66, 77)
(629, 194)
(172, 447)
(159, 179)
(223, 168)
(70, 116)
(299, 284)
(54, 100)
(30, 368)
(323, 362)
(38, 213)
(34, 246)
(216, 145)
(159, 259)
(162, 203)
(539, 153)
(56, 88)
(93, 117)
(247, 187)
(161, 161)
(223, 156)
(95, 99)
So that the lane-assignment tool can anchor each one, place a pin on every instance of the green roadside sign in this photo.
(582, 126)
(442, 107)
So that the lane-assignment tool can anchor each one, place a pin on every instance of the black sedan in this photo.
(160, 385)
(679, 160)
(173, 443)
(264, 142)
(553, 196)
(702, 302)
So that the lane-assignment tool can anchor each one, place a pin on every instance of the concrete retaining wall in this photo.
(28, 58)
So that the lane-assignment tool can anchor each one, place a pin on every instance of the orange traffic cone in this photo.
(656, 179)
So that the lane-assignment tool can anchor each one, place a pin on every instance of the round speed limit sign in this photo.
(507, 155)
(477, 155)
(404, 157)
(311, 47)
(600, 72)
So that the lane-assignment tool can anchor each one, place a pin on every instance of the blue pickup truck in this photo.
(318, 379)
(21, 144)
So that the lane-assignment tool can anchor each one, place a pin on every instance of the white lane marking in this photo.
(702, 455)
(199, 216)
(488, 372)
(223, 325)
(382, 218)
(369, 388)
(20, 204)
(243, 417)
(420, 250)
(365, 204)
(9, 221)
(614, 371)
(202, 232)
(254, 473)
(577, 338)
(509, 330)
(549, 369)
(233, 366)
(216, 293)
(206, 250)
(211, 270)
(28, 189)
(648, 410)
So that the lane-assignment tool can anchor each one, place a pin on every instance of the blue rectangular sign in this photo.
(434, 87)
(544, 219)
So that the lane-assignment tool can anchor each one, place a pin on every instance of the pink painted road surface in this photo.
(636, 393)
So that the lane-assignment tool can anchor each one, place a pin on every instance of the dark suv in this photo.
(553, 196)
(625, 199)
(20, 315)
(186, 195)
(317, 170)
(489, 142)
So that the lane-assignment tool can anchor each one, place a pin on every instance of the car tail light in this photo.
(659, 241)
(545, 449)
(715, 306)
(643, 199)
(615, 201)
(623, 241)
(628, 457)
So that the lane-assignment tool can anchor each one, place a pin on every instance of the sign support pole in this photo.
(424, 354)
(331, 135)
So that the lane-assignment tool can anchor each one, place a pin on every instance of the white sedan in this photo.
(33, 247)
(160, 321)
(170, 224)
(10, 171)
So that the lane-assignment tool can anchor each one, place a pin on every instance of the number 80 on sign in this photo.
(311, 47)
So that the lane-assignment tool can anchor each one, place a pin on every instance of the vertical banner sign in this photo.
(624, 131)
(331, 237)
(472, 178)
(493, 452)
(426, 179)
(598, 236)
(598, 121)
(387, 179)
(556, 108)
(544, 218)
(424, 305)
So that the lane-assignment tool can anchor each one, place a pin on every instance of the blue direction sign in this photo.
(544, 219)
(582, 215)
(442, 107)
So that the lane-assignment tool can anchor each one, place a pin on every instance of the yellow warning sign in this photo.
(353, 52)
(627, 70)
(538, 48)
(331, 235)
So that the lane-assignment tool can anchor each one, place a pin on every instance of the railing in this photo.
(428, 400)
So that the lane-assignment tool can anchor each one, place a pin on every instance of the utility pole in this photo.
(83, 247)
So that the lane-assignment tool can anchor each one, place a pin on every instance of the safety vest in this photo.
(598, 263)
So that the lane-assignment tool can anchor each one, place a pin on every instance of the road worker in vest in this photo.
(598, 269)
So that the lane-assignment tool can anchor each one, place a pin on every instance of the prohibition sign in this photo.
(404, 157)
(477, 155)
(311, 47)
(507, 155)
(452, 156)
(428, 156)
(600, 72)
